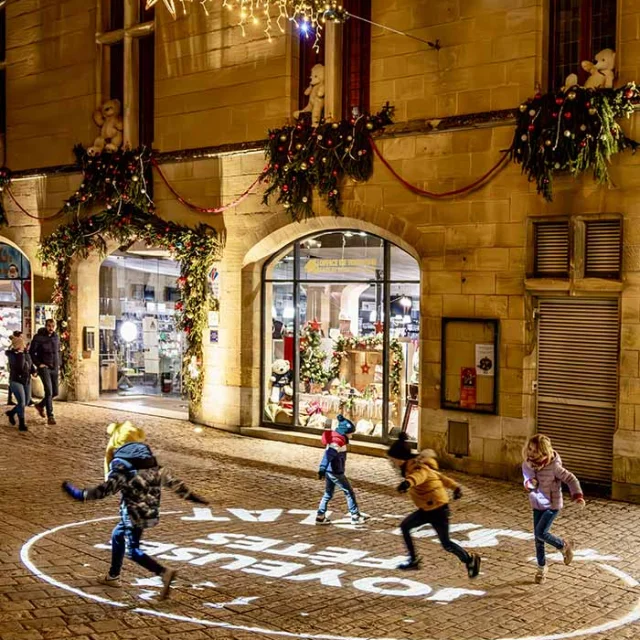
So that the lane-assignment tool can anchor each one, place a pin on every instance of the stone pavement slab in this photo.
(253, 565)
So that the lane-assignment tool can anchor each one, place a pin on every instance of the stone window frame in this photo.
(130, 35)
(588, 45)
(335, 67)
(495, 323)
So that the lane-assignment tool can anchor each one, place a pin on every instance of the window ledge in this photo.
(546, 284)
(607, 285)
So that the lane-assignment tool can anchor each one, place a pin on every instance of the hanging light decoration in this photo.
(308, 15)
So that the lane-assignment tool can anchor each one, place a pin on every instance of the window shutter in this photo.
(603, 249)
(551, 249)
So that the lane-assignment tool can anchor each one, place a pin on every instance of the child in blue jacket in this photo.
(332, 471)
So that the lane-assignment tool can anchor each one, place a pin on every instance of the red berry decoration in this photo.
(554, 114)
(567, 115)
(531, 127)
(285, 187)
(559, 101)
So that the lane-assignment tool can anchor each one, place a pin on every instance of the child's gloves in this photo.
(321, 474)
(579, 501)
(74, 492)
(457, 493)
(194, 497)
(404, 486)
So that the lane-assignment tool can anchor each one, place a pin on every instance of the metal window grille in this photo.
(551, 249)
(603, 249)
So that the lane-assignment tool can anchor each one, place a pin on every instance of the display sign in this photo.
(214, 282)
(108, 322)
(484, 359)
(317, 265)
(468, 387)
(214, 319)
(213, 335)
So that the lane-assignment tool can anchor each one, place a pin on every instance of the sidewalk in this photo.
(254, 565)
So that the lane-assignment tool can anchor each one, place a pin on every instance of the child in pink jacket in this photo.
(543, 477)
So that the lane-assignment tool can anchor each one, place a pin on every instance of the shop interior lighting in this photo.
(406, 302)
(288, 313)
(128, 331)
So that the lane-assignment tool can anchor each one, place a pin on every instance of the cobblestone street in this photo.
(254, 565)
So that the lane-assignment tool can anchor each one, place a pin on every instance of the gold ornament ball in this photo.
(567, 134)
(532, 112)
(305, 199)
(334, 125)
(571, 95)
(298, 146)
(283, 137)
(556, 165)
(523, 137)
(369, 126)
(303, 166)
(547, 143)
(593, 111)
(523, 107)
(583, 127)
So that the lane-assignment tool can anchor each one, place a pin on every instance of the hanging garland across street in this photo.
(119, 182)
(301, 157)
(343, 345)
(572, 131)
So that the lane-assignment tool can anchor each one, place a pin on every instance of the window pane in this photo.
(308, 58)
(116, 15)
(403, 265)
(146, 15)
(342, 255)
(278, 353)
(356, 56)
(116, 71)
(565, 39)
(404, 354)
(146, 59)
(603, 25)
(280, 269)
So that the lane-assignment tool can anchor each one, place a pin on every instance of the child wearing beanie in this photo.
(332, 471)
(427, 488)
(132, 470)
(20, 371)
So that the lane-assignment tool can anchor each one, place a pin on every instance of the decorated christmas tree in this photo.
(312, 357)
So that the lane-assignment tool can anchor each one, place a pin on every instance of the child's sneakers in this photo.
(541, 574)
(359, 518)
(410, 564)
(473, 566)
(567, 551)
(110, 581)
(321, 518)
(167, 578)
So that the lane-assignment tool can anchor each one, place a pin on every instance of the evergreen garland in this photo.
(302, 157)
(572, 131)
(5, 181)
(312, 357)
(343, 345)
(119, 181)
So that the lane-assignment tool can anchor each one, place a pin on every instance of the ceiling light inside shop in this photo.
(405, 301)
(288, 313)
(128, 331)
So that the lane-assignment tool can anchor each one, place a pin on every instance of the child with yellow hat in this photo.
(132, 469)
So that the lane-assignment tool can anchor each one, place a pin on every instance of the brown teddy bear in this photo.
(108, 118)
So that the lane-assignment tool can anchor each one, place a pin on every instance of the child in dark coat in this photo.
(20, 371)
(133, 471)
(332, 471)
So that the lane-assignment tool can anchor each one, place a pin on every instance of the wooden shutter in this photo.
(552, 249)
(603, 250)
(578, 349)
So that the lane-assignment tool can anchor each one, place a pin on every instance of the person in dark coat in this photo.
(45, 353)
(20, 371)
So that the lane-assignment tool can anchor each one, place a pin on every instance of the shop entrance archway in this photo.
(341, 323)
(141, 348)
(15, 301)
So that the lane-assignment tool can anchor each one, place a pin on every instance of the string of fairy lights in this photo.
(309, 16)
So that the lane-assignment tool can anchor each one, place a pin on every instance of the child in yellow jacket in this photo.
(427, 487)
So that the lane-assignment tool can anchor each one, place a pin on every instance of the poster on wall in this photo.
(484, 359)
(214, 283)
(213, 335)
(468, 387)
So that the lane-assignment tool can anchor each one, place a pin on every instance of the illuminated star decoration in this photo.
(315, 325)
(365, 368)
(379, 327)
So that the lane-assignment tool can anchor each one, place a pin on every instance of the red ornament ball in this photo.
(531, 127)
(559, 101)
(554, 114)
(285, 188)
(567, 115)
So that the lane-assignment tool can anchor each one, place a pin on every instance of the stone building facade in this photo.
(218, 91)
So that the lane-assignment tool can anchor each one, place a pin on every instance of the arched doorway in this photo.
(15, 301)
(341, 323)
(140, 346)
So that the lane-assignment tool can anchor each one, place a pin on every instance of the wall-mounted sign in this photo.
(317, 265)
(213, 335)
(468, 387)
(484, 359)
(106, 322)
(214, 282)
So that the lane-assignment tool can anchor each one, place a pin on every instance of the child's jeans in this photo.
(126, 537)
(542, 521)
(439, 520)
(333, 480)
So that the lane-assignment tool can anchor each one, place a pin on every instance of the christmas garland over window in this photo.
(302, 157)
(119, 180)
(572, 131)
(343, 345)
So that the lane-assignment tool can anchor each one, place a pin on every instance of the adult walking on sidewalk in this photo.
(20, 371)
(45, 353)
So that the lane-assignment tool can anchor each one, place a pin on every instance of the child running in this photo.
(543, 474)
(332, 471)
(132, 469)
(426, 486)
